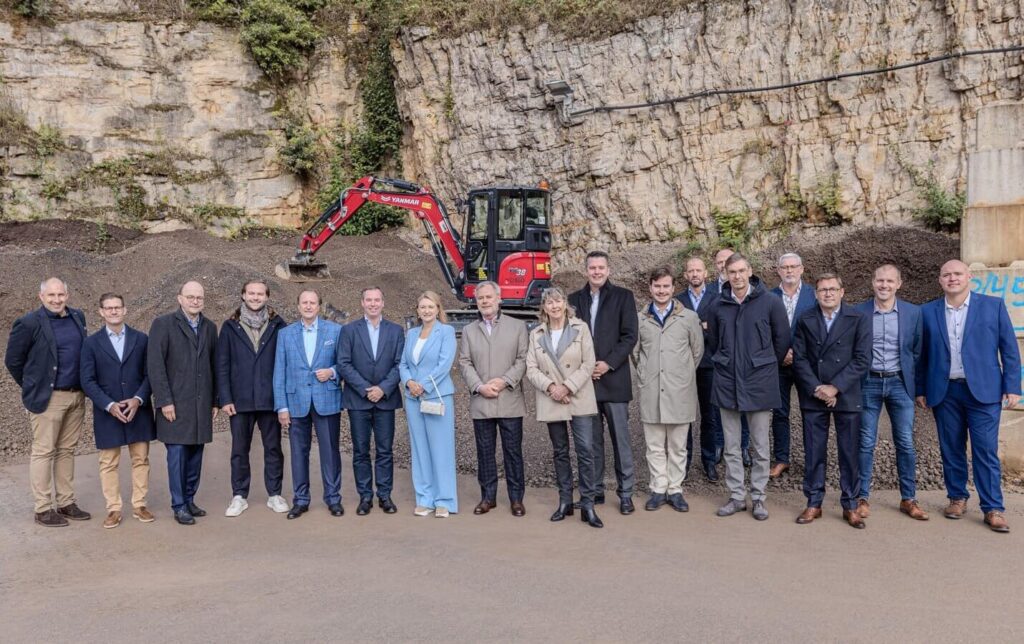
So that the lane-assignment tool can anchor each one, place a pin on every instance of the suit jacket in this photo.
(909, 338)
(245, 376)
(360, 369)
(707, 304)
(108, 379)
(615, 335)
(804, 301)
(501, 355)
(182, 372)
(31, 356)
(296, 387)
(839, 357)
(435, 363)
(989, 351)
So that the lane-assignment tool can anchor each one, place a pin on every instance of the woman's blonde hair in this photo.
(436, 299)
(554, 293)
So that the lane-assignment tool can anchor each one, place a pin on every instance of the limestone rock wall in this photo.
(478, 113)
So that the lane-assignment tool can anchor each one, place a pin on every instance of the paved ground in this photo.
(652, 576)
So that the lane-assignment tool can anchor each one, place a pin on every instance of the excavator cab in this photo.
(508, 240)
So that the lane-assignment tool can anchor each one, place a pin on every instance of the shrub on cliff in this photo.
(278, 34)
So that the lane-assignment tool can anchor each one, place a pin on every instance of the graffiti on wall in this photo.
(1006, 285)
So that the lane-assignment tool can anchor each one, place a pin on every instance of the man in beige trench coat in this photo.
(666, 357)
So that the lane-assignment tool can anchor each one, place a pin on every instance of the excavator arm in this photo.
(444, 239)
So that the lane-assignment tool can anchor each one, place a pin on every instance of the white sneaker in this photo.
(238, 505)
(277, 504)
(421, 511)
(441, 513)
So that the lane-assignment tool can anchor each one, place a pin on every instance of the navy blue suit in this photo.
(780, 415)
(839, 357)
(711, 439)
(361, 369)
(970, 406)
(31, 356)
(245, 379)
(108, 379)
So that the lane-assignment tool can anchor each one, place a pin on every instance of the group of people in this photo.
(727, 351)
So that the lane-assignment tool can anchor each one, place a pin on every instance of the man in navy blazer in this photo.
(798, 296)
(895, 351)
(969, 370)
(368, 359)
(246, 349)
(831, 354)
(307, 396)
(43, 352)
(113, 375)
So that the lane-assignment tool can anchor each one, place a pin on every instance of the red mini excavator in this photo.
(507, 238)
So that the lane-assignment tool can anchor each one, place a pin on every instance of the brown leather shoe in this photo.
(518, 509)
(778, 470)
(144, 515)
(113, 519)
(913, 510)
(955, 509)
(863, 508)
(484, 507)
(809, 514)
(51, 519)
(73, 512)
(854, 519)
(997, 521)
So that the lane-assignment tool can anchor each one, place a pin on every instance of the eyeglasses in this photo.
(111, 309)
(193, 298)
(829, 290)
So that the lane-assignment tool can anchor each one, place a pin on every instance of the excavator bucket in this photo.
(302, 268)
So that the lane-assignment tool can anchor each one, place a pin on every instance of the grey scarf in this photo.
(253, 319)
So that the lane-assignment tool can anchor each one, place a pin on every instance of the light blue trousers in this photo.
(432, 442)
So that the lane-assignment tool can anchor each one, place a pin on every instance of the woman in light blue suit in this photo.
(426, 376)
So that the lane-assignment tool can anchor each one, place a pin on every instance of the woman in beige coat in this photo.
(559, 363)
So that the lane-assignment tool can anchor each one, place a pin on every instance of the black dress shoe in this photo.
(563, 510)
(518, 509)
(196, 511)
(711, 472)
(364, 507)
(73, 512)
(656, 501)
(51, 519)
(626, 505)
(678, 503)
(297, 511)
(387, 505)
(336, 509)
(589, 516)
(184, 517)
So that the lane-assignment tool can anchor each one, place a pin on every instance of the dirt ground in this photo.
(148, 269)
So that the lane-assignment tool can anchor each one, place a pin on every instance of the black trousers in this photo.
(583, 441)
(816, 455)
(616, 414)
(242, 426)
(486, 430)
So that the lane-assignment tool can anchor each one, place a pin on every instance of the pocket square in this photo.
(328, 343)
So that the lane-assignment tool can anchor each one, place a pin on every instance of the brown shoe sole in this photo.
(148, 519)
(108, 525)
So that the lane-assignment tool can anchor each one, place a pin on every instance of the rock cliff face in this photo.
(186, 106)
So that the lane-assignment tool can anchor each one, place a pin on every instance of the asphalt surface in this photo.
(653, 576)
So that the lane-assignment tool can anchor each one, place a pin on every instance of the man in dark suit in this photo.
(797, 296)
(895, 351)
(114, 377)
(831, 354)
(699, 297)
(245, 386)
(368, 358)
(610, 312)
(43, 352)
(181, 364)
(969, 370)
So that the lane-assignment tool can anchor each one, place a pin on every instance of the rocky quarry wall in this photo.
(186, 103)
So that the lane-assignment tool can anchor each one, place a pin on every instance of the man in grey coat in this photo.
(181, 365)
(492, 359)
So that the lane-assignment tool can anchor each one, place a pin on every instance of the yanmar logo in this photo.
(405, 201)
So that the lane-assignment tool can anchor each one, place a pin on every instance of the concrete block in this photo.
(1000, 126)
(993, 177)
(992, 235)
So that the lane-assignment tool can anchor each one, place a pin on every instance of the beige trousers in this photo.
(55, 434)
(111, 482)
(666, 456)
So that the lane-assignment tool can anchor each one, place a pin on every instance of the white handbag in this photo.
(433, 408)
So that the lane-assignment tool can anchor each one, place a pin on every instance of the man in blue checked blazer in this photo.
(307, 396)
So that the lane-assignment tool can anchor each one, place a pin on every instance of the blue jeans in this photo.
(780, 417)
(893, 394)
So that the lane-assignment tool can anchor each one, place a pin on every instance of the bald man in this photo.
(43, 353)
(969, 370)
(181, 364)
